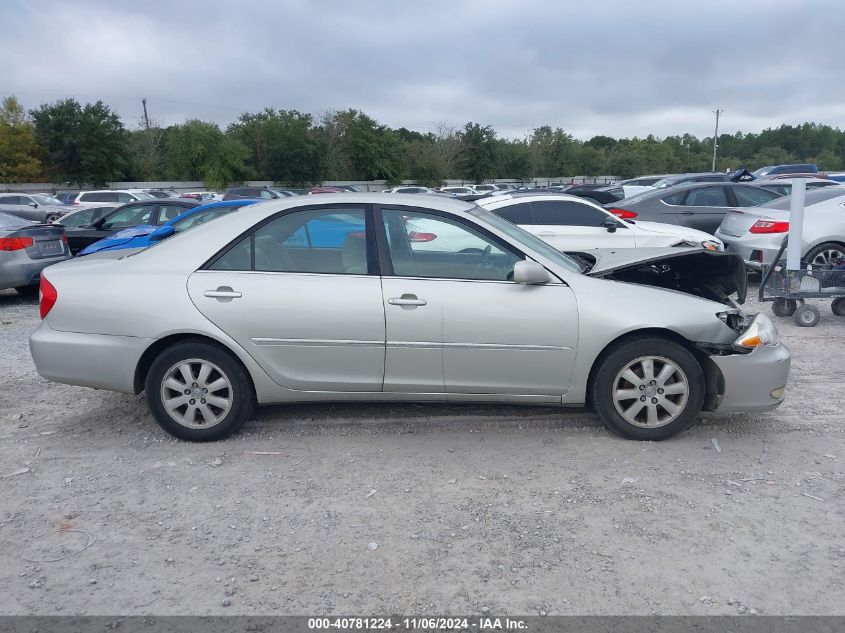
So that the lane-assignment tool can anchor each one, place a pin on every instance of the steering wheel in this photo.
(483, 259)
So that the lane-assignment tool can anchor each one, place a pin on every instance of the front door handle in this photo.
(223, 293)
(546, 234)
(407, 300)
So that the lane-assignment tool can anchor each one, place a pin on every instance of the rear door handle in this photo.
(407, 300)
(223, 293)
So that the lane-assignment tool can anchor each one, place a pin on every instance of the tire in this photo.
(784, 307)
(824, 254)
(837, 306)
(631, 354)
(807, 316)
(27, 291)
(52, 217)
(232, 404)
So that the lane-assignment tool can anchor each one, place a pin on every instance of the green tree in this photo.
(423, 164)
(280, 144)
(477, 155)
(19, 160)
(82, 145)
(197, 150)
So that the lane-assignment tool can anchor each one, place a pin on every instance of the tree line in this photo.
(88, 145)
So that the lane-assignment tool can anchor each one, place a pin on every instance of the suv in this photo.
(97, 198)
(795, 168)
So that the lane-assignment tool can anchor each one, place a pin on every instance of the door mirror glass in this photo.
(528, 272)
(34, 205)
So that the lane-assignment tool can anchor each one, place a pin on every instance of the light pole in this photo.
(716, 138)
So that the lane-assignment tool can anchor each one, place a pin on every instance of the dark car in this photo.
(84, 216)
(684, 179)
(603, 195)
(153, 212)
(262, 193)
(699, 206)
(794, 168)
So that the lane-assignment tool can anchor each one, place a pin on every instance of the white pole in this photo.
(716, 138)
(796, 225)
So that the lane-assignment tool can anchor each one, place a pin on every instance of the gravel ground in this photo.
(419, 509)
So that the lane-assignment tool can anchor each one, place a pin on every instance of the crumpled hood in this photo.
(714, 275)
(134, 231)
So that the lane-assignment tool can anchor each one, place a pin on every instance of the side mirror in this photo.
(162, 232)
(34, 205)
(528, 272)
(98, 223)
(611, 225)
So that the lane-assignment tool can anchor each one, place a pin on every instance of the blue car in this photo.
(145, 235)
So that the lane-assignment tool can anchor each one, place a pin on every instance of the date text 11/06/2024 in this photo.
(418, 624)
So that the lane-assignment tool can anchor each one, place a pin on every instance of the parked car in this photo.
(644, 181)
(161, 193)
(783, 186)
(410, 189)
(838, 177)
(683, 179)
(457, 191)
(240, 311)
(698, 205)
(255, 193)
(350, 188)
(201, 196)
(795, 168)
(128, 215)
(596, 194)
(84, 216)
(572, 224)
(98, 198)
(756, 233)
(483, 188)
(37, 207)
(143, 235)
(316, 190)
(67, 197)
(25, 250)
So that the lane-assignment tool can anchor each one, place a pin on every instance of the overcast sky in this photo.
(620, 68)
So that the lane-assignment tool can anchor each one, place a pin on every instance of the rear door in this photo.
(301, 294)
(703, 208)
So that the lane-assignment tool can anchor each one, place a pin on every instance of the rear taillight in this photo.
(769, 226)
(15, 243)
(623, 213)
(48, 296)
(64, 238)
(416, 236)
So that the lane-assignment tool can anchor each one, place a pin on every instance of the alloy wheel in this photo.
(827, 257)
(196, 393)
(650, 392)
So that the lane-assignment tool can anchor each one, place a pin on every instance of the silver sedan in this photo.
(345, 298)
(757, 233)
(26, 249)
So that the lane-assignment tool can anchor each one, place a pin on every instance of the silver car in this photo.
(38, 207)
(756, 233)
(332, 299)
(25, 250)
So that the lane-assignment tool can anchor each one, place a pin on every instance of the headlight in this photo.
(712, 245)
(761, 332)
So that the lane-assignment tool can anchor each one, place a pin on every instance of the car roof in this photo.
(541, 195)
(814, 196)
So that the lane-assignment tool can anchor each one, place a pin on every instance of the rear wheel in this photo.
(837, 306)
(198, 392)
(52, 217)
(825, 254)
(648, 389)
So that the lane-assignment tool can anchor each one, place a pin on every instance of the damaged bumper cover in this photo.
(749, 382)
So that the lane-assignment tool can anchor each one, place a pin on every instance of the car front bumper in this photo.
(754, 381)
(87, 360)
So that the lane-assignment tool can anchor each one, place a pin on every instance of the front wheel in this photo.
(52, 217)
(198, 392)
(784, 307)
(648, 389)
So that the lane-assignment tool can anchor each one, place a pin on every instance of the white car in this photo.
(410, 189)
(484, 188)
(574, 224)
(106, 196)
(457, 191)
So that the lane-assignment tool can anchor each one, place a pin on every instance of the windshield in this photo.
(524, 237)
(202, 217)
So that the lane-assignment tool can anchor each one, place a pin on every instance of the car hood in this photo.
(714, 275)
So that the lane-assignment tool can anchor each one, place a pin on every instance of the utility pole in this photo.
(716, 138)
(147, 118)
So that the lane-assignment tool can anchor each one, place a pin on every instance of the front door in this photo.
(704, 208)
(299, 295)
(457, 322)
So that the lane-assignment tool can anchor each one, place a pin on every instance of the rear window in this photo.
(10, 221)
(811, 197)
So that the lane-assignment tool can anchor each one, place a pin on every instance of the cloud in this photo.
(617, 68)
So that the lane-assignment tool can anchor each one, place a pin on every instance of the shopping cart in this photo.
(788, 289)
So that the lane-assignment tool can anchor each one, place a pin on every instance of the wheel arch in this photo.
(713, 379)
(150, 354)
(828, 240)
